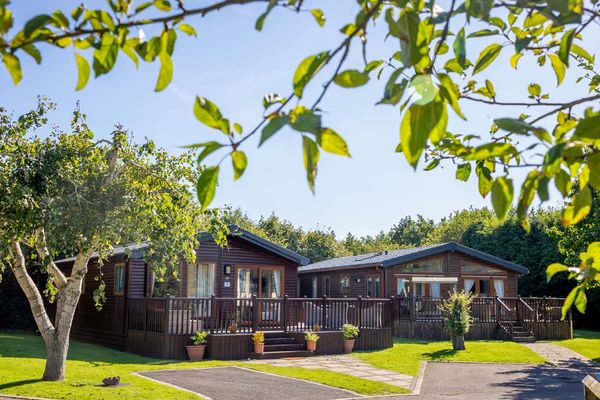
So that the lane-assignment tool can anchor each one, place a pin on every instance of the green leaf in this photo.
(579, 208)
(521, 43)
(35, 23)
(588, 128)
(207, 112)
(317, 13)
(576, 296)
(483, 33)
(558, 67)
(33, 52)
(513, 125)
(526, 197)
(311, 155)
(261, 19)
(207, 186)
(209, 148)
(514, 59)
(394, 91)
(502, 196)
(432, 165)
(239, 161)
(332, 142)
(478, 8)
(83, 71)
(565, 46)
(188, 29)
(419, 123)
(162, 5)
(412, 44)
(351, 78)
(13, 65)
(460, 50)
(166, 72)
(425, 87)
(487, 56)
(554, 269)
(451, 93)
(485, 181)
(579, 51)
(463, 171)
(105, 57)
(306, 70)
(274, 125)
(563, 183)
(490, 150)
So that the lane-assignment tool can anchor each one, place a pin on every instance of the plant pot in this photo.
(311, 346)
(348, 345)
(196, 352)
(259, 348)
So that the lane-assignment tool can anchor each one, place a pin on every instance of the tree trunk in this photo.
(56, 357)
(458, 343)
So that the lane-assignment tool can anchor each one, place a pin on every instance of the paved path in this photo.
(561, 356)
(234, 383)
(347, 365)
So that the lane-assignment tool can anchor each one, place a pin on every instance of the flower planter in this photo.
(259, 348)
(196, 352)
(311, 345)
(348, 346)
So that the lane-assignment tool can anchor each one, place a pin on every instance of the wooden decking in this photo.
(161, 327)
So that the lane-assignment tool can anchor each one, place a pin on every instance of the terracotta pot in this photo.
(311, 346)
(196, 352)
(348, 345)
(259, 348)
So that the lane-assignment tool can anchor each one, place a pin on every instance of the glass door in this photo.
(373, 285)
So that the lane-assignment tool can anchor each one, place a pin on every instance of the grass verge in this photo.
(586, 343)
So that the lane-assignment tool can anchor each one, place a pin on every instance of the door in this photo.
(327, 286)
(373, 285)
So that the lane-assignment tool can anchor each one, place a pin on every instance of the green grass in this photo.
(22, 364)
(586, 343)
(406, 355)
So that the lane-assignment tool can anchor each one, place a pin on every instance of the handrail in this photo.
(500, 319)
(525, 303)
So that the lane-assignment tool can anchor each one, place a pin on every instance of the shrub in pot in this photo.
(349, 334)
(196, 350)
(311, 341)
(258, 338)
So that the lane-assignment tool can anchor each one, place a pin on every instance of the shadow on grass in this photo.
(18, 383)
(27, 345)
(440, 354)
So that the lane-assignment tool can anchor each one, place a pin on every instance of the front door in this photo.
(373, 285)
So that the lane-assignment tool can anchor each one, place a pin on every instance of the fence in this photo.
(179, 315)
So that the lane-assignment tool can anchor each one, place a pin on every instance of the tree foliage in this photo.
(440, 65)
(456, 312)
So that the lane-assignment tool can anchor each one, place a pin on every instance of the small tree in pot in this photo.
(456, 311)
(258, 338)
(196, 350)
(311, 341)
(349, 334)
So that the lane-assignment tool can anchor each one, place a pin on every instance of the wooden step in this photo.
(523, 339)
(271, 355)
(283, 347)
(279, 340)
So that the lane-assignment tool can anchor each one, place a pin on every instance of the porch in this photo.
(161, 327)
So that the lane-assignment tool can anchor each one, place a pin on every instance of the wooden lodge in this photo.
(255, 285)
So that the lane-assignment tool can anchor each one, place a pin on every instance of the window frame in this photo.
(237, 267)
(195, 266)
(122, 266)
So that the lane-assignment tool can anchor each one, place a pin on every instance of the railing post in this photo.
(168, 317)
(213, 313)
(145, 318)
(254, 313)
(324, 312)
(544, 310)
(359, 307)
(285, 316)
(392, 311)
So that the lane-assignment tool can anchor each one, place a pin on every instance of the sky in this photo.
(235, 66)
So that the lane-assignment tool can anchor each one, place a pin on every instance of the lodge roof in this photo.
(400, 256)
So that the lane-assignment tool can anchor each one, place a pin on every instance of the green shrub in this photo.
(258, 337)
(311, 337)
(200, 337)
(456, 311)
(349, 331)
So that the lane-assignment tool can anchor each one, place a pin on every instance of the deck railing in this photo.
(184, 315)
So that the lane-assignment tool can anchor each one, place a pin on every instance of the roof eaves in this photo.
(268, 245)
(301, 270)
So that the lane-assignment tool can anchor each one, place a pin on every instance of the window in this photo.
(201, 280)
(259, 281)
(484, 286)
(402, 287)
(345, 283)
(373, 285)
(315, 287)
(433, 265)
(119, 278)
(326, 286)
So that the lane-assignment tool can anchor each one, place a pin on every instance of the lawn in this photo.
(22, 363)
(406, 355)
(586, 343)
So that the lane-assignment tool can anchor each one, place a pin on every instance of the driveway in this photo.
(234, 383)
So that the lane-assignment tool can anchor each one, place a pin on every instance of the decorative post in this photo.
(359, 307)
(254, 313)
(213, 313)
(285, 314)
(324, 312)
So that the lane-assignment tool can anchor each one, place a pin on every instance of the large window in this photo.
(201, 280)
(434, 265)
(484, 286)
(119, 279)
(373, 285)
(264, 282)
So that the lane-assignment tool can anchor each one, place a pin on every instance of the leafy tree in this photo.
(319, 245)
(411, 232)
(456, 311)
(439, 65)
(71, 195)
(454, 227)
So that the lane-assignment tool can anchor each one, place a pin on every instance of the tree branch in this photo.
(44, 254)
(565, 106)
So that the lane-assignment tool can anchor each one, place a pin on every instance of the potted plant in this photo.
(258, 338)
(349, 334)
(311, 341)
(233, 328)
(196, 350)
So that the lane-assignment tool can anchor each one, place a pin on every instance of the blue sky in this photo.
(234, 66)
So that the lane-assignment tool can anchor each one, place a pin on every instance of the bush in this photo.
(200, 337)
(311, 337)
(456, 311)
(349, 331)
(258, 337)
